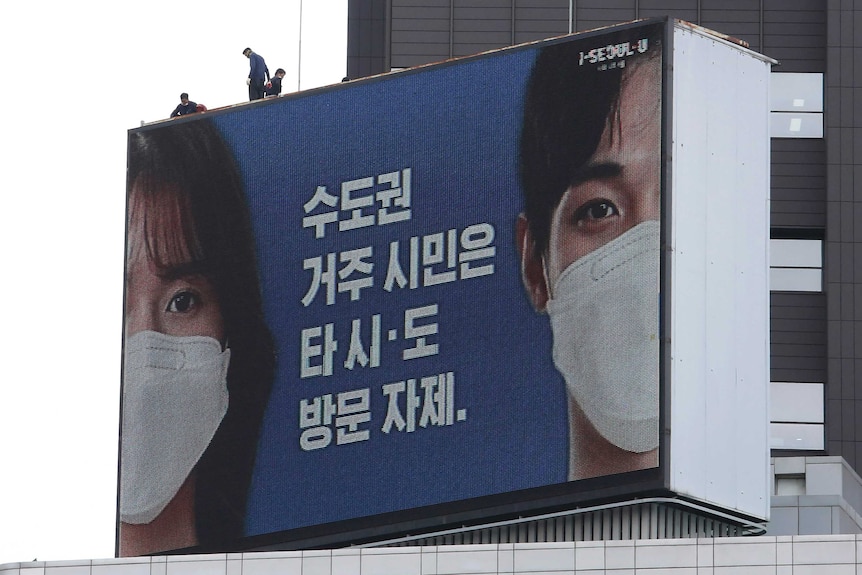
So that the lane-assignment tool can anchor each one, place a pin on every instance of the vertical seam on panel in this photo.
(512, 43)
(451, 28)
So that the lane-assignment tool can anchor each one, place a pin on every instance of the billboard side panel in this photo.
(719, 237)
(688, 244)
(751, 290)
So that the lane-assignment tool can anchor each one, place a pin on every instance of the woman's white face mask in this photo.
(174, 399)
(604, 315)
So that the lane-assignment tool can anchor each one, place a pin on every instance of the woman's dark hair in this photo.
(567, 105)
(191, 163)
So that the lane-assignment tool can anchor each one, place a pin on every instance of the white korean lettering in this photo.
(394, 273)
(438, 404)
(356, 264)
(319, 221)
(309, 350)
(353, 410)
(393, 411)
(477, 240)
(356, 353)
(439, 249)
(420, 332)
(354, 202)
(314, 416)
(394, 200)
(320, 276)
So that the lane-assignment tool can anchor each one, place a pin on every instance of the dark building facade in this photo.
(816, 190)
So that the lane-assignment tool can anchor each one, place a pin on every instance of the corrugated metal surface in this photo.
(792, 31)
(843, 264)
(638, 521)
(798, 337)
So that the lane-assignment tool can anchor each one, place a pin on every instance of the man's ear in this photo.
(532, 267)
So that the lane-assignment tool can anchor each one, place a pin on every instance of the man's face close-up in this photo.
(600, 274)
(622, 180)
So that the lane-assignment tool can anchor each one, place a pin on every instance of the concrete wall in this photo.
(832, 555)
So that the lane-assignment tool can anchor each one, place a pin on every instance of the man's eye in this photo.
(596, 210)
(183, 302)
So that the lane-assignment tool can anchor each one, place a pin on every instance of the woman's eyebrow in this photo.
(596, 171)
(177, 271)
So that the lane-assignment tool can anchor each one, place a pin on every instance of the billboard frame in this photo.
(652, 482)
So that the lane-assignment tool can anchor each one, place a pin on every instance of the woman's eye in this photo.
(596, 210)
(183, 302)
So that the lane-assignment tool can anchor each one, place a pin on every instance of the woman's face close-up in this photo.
(620, 185)
(167, 291)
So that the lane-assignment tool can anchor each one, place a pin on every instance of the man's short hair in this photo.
(280, 71)
(184, 96)
(565, 110)
(246, 51)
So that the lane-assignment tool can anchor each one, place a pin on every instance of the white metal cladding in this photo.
(719, 286)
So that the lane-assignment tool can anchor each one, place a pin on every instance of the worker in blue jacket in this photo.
(273, 87)
(258, 75)
(185, 106)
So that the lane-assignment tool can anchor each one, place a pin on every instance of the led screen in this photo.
(420, 290)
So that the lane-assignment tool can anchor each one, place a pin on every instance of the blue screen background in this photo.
(457, 128)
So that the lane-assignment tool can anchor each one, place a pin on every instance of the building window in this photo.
(796, 105)
(796, 265)
(796, 416)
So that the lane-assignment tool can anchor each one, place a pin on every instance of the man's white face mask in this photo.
(174, 398)
(604, 319)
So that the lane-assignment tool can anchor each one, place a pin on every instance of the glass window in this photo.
(808, 436)
(796, 402)
(795, 92)
(796, 265)
(796, 105)
(796, 415)
(796, 125)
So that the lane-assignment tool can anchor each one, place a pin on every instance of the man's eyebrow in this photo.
(596, 171)
(177, 271)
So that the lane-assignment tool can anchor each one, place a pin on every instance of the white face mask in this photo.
(174, 398)
(604, 318)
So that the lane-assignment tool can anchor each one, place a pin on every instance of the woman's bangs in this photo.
(161, 227)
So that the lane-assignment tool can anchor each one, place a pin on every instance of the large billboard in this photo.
(392, 305)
